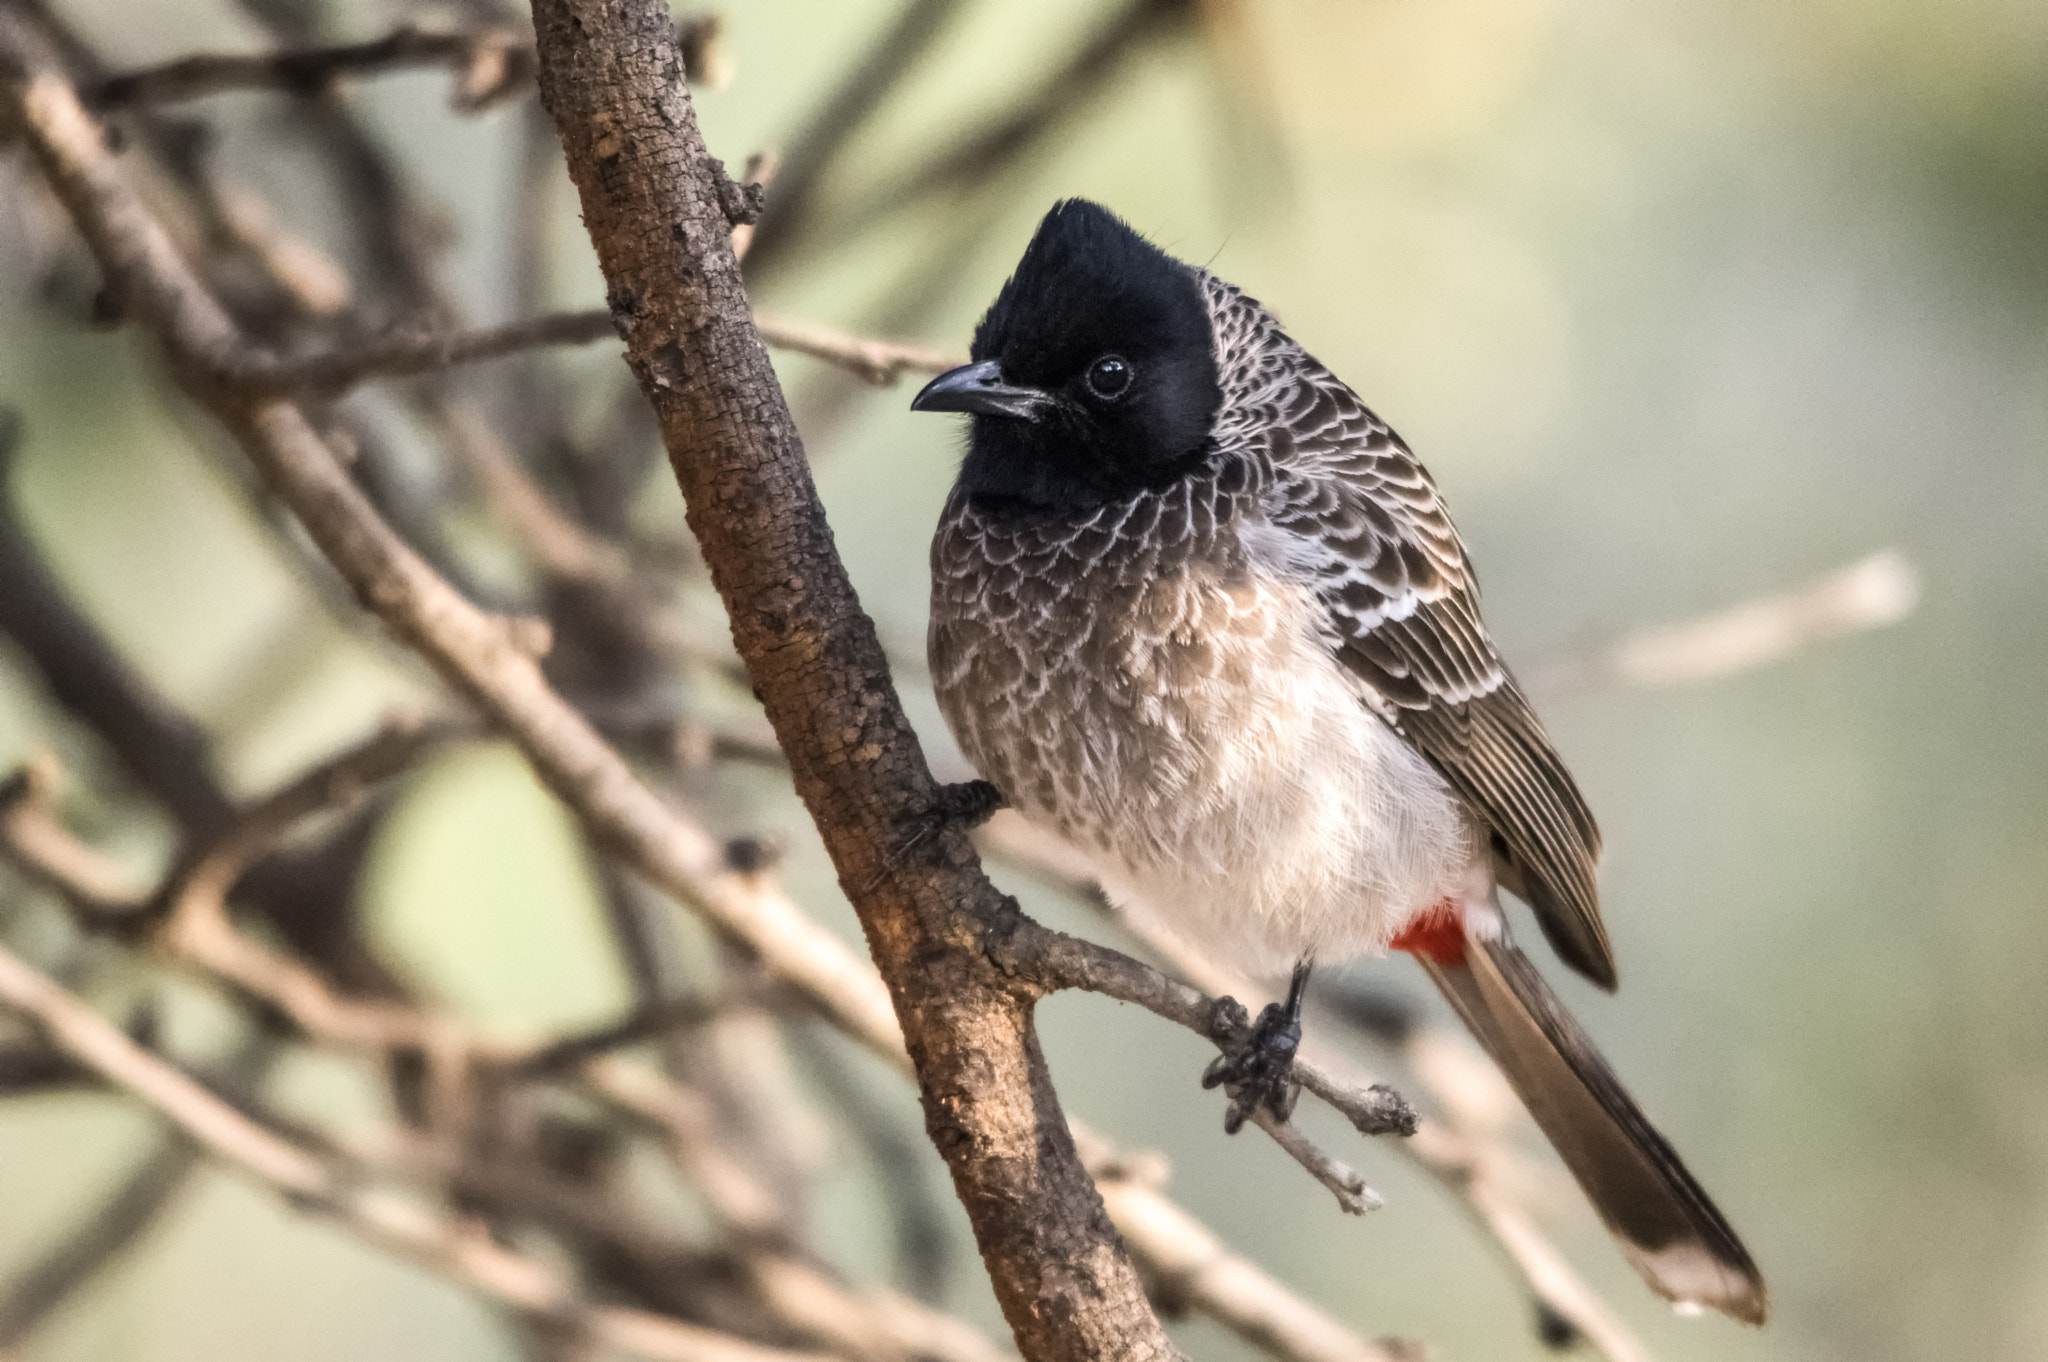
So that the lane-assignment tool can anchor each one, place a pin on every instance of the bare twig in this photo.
(1871, 593)
(423, 352)
(875, 1326)
(1190, 1268)
(474, 650)
(478, 654)
(198, 928)
(165, 751)
(878, 362)
(1462, 1154)
(97, 892)
(1353, 1196)
(488, 64)
(104, 1232)
(428, 351)
(452, 1247)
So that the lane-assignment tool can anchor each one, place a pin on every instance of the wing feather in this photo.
(1403, 616)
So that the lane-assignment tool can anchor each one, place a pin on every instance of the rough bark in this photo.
(660, 211)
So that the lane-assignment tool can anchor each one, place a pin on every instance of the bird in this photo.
(1200, 613)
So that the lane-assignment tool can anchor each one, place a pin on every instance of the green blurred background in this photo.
(1682, 301)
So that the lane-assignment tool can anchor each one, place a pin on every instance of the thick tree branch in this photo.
(795, 1291)
(481, 655)
(1013, 1156)
(652, 202)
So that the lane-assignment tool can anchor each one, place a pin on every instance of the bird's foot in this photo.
(1259, 1072)
(967, 805)
(964, 806)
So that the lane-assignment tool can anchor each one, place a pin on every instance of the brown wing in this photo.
(1364, 517)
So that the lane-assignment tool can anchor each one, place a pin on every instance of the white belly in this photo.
(1331, 833)
(1221, 773)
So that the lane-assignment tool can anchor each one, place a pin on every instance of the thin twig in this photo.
(489, 65)
(36, 841)
(1461, 1156)
(428, 351)
(473, 650)
(878, 362)
(1191, 1268)
(103, 1233)
(874, 1326)
(452, 1247)
(1874, 592)
(1353, 1196)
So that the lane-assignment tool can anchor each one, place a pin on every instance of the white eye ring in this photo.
(1110, 377)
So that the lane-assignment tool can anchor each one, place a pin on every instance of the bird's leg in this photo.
(1260, 1073)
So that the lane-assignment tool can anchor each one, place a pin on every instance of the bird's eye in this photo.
(1109, 376)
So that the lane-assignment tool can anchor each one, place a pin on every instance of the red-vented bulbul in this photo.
(1202, 614)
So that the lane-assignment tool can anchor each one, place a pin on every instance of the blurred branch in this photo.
(874, 361)
(923, 1237)
(487, 659)
(873, 78)
(422, 352)
(1871, 593)
(100, 1236)
(57, 1274)
(99, 893)
(448, 1245)
(488, 64)
(1190, 1269)
(874, 1325)
(1061, 96)
(166, 753)
(29, 1066)
(476, 652)
(565, 547)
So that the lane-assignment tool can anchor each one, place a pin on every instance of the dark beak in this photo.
(979, 388)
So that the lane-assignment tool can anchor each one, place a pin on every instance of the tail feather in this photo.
(1666, 1225)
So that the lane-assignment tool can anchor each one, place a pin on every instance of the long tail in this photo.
(1666, 1225)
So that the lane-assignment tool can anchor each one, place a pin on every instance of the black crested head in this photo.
(1095, 372)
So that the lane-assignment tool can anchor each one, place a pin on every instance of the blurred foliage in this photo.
(1682, 301)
